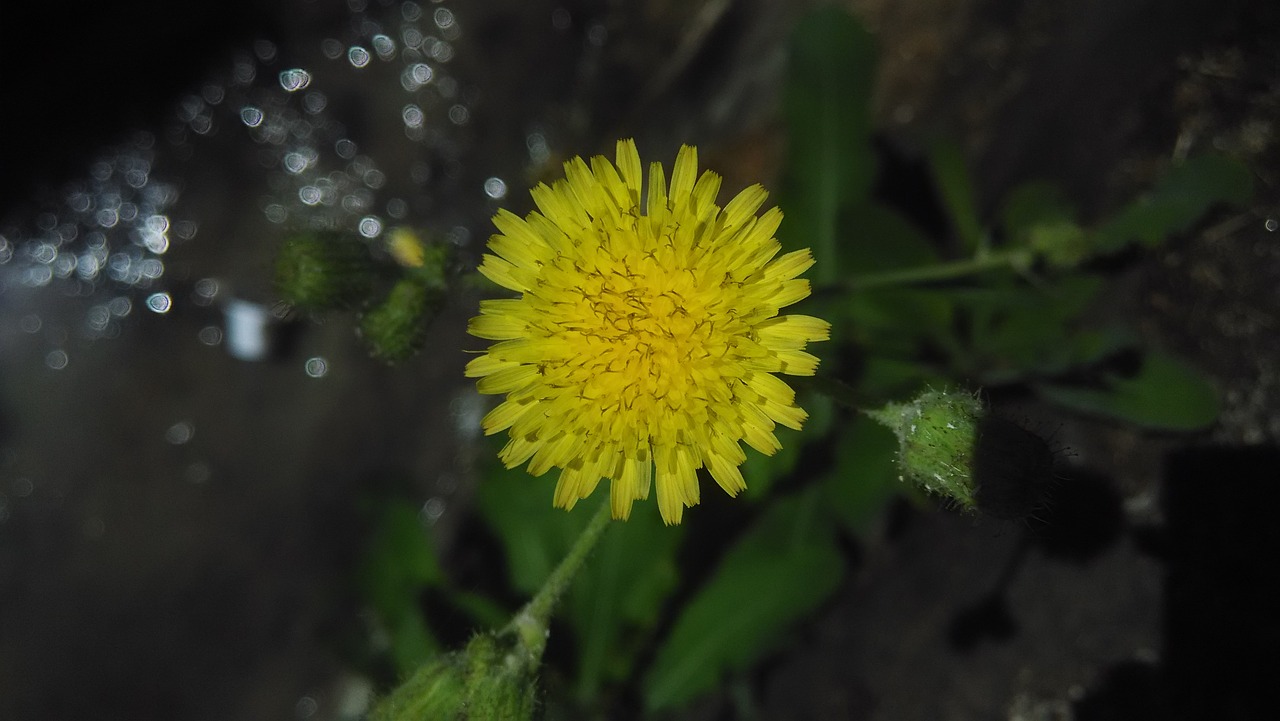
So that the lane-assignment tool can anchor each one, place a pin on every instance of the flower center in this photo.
(647, 331)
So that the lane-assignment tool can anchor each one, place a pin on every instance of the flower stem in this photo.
(837, 390)
(532, 622)
(939, 271)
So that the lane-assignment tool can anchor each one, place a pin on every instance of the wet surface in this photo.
(177, 523)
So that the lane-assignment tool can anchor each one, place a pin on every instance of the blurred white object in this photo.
(248, 330)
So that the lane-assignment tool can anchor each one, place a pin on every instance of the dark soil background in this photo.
(178, 527)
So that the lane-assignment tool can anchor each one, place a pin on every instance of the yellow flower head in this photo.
(646, 335)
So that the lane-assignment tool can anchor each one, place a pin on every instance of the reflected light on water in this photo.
(467, 410)
(205, 291)
(495, 188)
(384, 46)
(305, 708)
(432, 510)
(315, 102)
(56, 359)
(180, 433)
(294, 79)
(107, 236)
(160, 302)
(316, 367)
(358, 56)
(210, 335)
(370, 226)
(22, 487)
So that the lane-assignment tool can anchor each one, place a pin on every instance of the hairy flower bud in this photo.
(950, 446)
(495, 677)
(319, 271)
(396, 328)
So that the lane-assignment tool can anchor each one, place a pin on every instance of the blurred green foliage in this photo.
(320, 272)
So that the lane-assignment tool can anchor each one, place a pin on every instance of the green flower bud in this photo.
(950, 446)
(396, 328)
(1063, 244)
(319, 271)
(495, 677)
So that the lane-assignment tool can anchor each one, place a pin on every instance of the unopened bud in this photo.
(495, 677)
(950, 446)
(319, 271)
(396, 328)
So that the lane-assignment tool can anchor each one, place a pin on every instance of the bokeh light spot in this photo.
(316, 367)
(370, 226)
(56, 359)
(294, 79)
(358, 56)
(159, 302)
(495, 188)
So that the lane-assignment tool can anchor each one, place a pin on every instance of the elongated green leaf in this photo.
(1019, 330)
(399, 564)
(955, 183)
(877, 238)
(864, 476)
(618, 594)
(535, 535)
(827, 107)
(1177, 201)
(1165, 394)
(781, 570)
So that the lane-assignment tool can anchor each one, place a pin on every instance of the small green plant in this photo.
(323, 272)
(997, 302)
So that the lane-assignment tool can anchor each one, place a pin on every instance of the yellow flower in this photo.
(646, 335)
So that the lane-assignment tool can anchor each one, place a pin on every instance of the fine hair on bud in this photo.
(949, 445)
(493, 678)
(319, 271)
(396, 327)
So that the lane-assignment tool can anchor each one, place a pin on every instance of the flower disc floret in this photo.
(646, 335)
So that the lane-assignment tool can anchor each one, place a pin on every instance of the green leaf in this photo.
(620, 589)
(535, 535)
(412, 643)
(827, 106)
(1165, 394)
(899, 319)
(399, 564)
(618, 594)
(484, 611)
(877, 239)
(1032, 204)
(955, 183)
(1018, 330)
(864, 476)
(884, 377)
(779, 572)
(1177, 201)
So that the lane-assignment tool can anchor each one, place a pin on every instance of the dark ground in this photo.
(176, 524)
